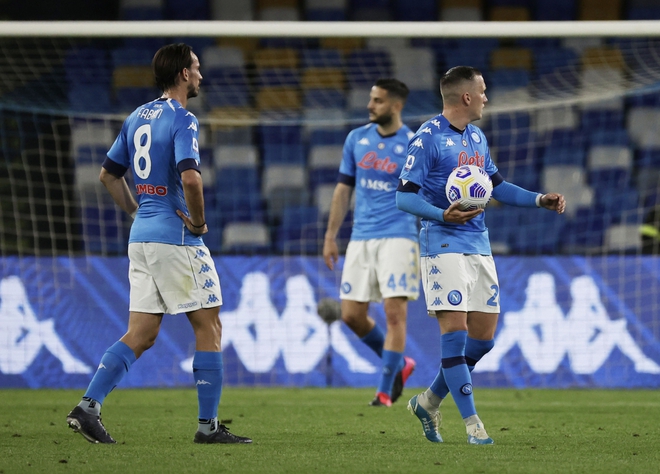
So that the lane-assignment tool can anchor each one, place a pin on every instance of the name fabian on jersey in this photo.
(149, 114)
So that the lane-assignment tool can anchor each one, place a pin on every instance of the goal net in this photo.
(573, 108)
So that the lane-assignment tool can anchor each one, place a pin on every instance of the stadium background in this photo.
(578, 115)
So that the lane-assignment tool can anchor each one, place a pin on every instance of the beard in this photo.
(382, 120)
(194, 92)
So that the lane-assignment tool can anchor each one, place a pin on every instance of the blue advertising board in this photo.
(565, 322)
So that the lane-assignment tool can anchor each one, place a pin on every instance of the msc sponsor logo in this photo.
(376, 185)
(151, 189)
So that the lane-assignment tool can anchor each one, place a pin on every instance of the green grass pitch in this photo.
(334, 431)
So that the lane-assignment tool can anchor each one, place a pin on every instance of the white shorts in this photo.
(457, 282)
(171, 278)
(380, 268)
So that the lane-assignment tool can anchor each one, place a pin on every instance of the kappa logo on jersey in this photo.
(371, 161)
(450, 142)
(436, 123)
(476, 160)
(418, 143)
(410, 161)
(427, 130)
(363, 141)
(151, 189)
(189, 113)
(192, 126)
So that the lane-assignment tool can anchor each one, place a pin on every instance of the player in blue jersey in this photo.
(381, 261)
(170, 268)
(458, 271)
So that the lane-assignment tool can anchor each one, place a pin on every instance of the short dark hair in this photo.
(394, 87)
(458, 74)
(168, 62)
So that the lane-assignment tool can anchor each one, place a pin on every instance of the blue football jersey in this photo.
(153, 141)
(434, 151)
(372, 163)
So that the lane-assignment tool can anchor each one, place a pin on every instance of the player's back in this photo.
(153, 142)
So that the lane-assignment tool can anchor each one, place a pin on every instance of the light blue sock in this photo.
(115, 363)
(375, 339)
(456, 372)
(208, 374)
(392, 362)
(474, 351)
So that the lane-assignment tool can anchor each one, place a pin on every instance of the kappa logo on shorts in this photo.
(437, 302)
(434, 270)
(200, 254)
(209, 284)
(466, 389)
(346, 287)
(455, 297)
(212, 299)
(205, 268)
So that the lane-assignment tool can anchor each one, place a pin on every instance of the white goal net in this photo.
(574, 107)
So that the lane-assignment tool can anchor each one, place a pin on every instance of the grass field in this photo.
(334, 431)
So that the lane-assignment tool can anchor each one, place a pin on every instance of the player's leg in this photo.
(397, 267)
(480, 340)
(357, 281)
(147, 308)
(85, 418)
(208, 374)
(207, 360)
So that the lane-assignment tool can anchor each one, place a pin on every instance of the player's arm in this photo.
(193, 193)
(509, 193)
(408, 200)
(112, 178)
(341, 199)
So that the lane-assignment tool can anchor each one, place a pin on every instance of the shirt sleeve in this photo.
(347, 166)
(119, 150)
(186, 137)
(420, 154)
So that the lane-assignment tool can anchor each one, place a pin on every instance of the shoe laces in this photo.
(478, 431)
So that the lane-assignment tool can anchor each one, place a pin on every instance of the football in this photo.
(470, 186)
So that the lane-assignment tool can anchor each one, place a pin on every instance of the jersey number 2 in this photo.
(142, 151)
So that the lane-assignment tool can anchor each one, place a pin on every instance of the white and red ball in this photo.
(470, 186)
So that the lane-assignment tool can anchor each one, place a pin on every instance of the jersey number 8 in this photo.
(142, 151)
